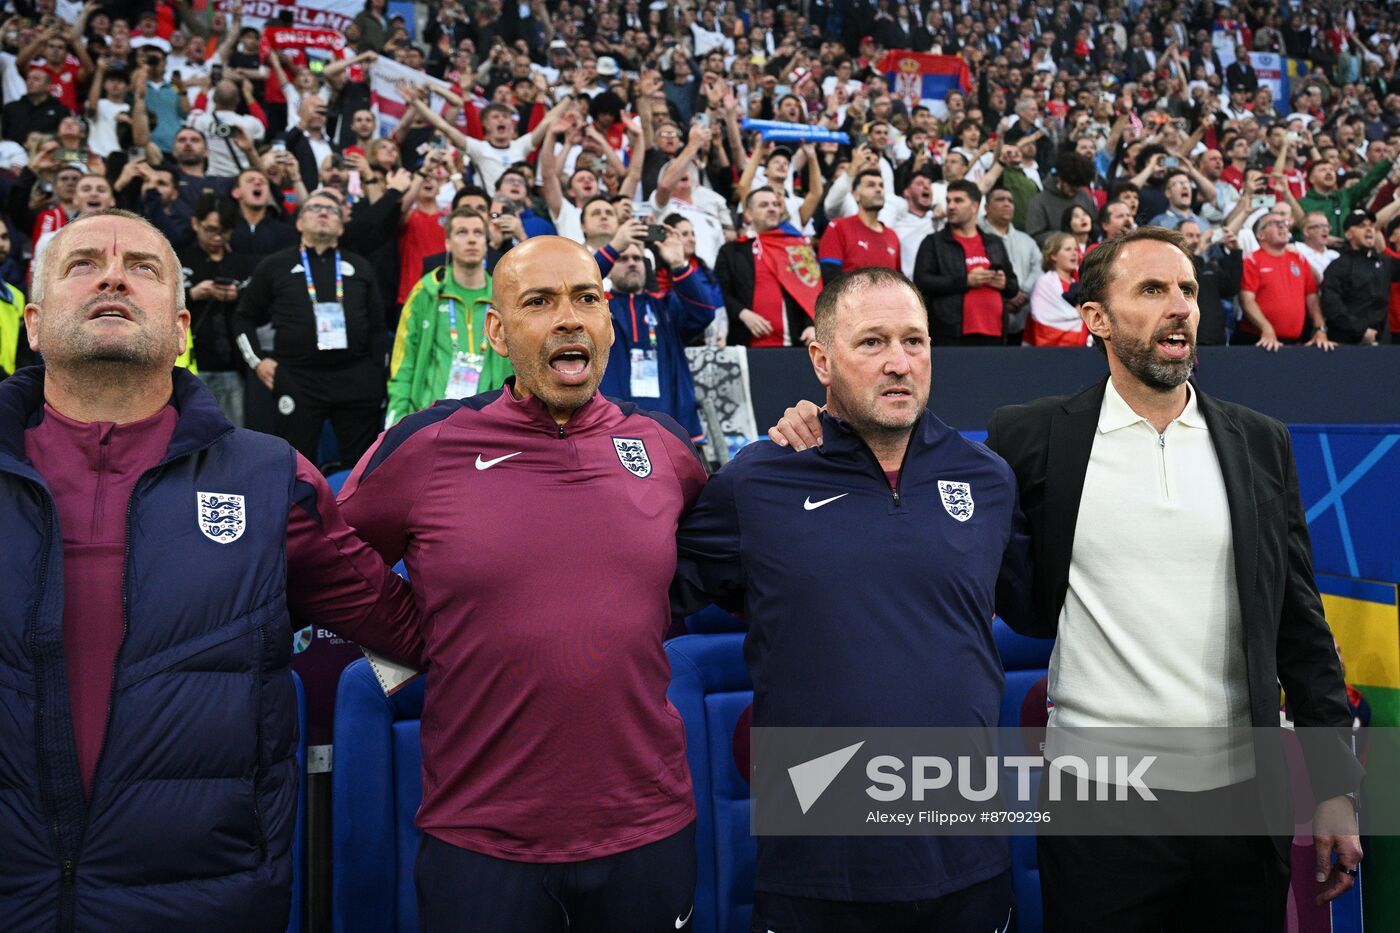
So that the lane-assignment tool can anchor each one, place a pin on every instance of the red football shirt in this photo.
(850, 242)
(422, 236)
(1280, 285)
(63, 82)
(982, 306)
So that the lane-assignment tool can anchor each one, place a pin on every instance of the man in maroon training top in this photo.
(538, 526)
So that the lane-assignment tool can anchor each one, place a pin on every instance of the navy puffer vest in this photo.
(189, 826)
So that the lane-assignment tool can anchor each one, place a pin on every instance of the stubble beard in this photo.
(1140, 359)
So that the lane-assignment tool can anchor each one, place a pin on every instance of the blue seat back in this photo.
(376, 787)
(299, 832)
(710, 688)
(1025, 661)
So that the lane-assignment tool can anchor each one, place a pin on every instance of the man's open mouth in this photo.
(1176, 346)
(110, 309)
(570, 363)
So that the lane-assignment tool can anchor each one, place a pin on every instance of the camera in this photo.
(337, 161)
(216, 73)
(222, 130)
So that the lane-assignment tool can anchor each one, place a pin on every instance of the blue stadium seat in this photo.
(376, 787)
(1025, 661)
(299, 833)
(710, 688)
(337, 480)
(713, 620)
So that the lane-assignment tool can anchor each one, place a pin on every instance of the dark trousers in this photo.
(985, 907)
(640, 891)
(352, 397)
(1152, 883)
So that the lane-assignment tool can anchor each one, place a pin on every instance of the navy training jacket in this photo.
(866, 607)
(681, 316)
(189, 826)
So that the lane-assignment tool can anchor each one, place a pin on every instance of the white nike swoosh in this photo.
(682, 921)
(488, 464)
(809, 505)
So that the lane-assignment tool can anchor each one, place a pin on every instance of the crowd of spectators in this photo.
(621, 124)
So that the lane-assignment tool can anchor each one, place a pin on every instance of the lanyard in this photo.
(452, 326)
(311, 286)
(650, 319)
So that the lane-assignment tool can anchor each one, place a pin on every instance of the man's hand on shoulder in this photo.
(799, 428)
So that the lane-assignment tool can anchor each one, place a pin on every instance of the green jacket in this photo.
(1342, 201)
(11, 317)
(422, 357)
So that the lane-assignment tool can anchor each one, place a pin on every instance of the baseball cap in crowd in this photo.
(1356, 218)
(776, 151)
(607, 66)
(559, 45)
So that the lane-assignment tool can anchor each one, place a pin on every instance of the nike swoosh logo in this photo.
(488, 464)
(682, 921)
(809, 505)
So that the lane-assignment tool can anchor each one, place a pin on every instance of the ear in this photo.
(496, 331)
(32, 314)
(821, 363)
(1095, 319)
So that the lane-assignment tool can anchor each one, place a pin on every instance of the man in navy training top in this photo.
(897, 539)
(538, 525)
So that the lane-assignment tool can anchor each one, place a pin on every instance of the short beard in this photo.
(1140, 359)
(632, 287)
(532, 372)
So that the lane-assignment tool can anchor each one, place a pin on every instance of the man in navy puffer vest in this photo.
(147, 715)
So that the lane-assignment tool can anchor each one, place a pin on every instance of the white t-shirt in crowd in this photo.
(102, 133)
(491, 163)
(225, 158)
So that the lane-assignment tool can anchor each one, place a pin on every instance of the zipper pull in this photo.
(561, 432)
(1162, 441)
(67, 871)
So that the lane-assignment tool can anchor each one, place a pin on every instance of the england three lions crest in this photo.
(957, 499)
(633, 454)
(222, 516)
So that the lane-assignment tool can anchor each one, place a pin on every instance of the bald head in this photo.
(536, 260)
(549, 316)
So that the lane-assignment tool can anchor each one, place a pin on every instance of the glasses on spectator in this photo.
(668, 134)
(321, 209)
(1273, 223)
(215, 230)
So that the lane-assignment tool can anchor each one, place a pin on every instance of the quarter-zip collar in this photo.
(22, 405)
(840, 439)
(531, 412)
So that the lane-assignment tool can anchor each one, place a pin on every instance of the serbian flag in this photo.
(792, 262)
(918, 76)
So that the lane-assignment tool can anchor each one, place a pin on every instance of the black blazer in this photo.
(1287, 640)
